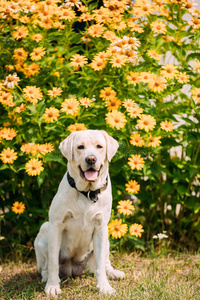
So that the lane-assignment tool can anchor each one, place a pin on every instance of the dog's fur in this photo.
(76, 236)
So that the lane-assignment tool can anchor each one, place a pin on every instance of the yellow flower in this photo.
(117, 229)
(6, 98)
(107, 93)
(135, 27)
(183, 77)
(101, 15)
(119, 25)
(27, 147)
(158, 27)
(145, 77)
(132, 187)
(109, 35)
(196, 94)
(37, 37)
(66, 13)
(21, 32)
(76, 127)
(8, 156)
(118, 60)
(33, 94)
(135, 111)
(146, 8)
(101, 55)
(112, 104)
(98, 64)
(34, 167)
(156, 83)
(167, 126)
(20, 54)
(47, 148)
(125, 207)
(170, 71)
(146, 122)
(137, 140)
(32, 69)
(153, 54)
(154, 141)
(37, 53)
(136, 162)
(86, 17)
(7, 133)
(51, 114)
(133, 78)
(20, 108)
(116, 119)
(55, 92)
(70, 106)
(78, 60)
(128, 103)
(96, 30)
(136, 230)
(18, 207)
(197, 65)
(86, 102)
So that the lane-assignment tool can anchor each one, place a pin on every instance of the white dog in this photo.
(76, 236)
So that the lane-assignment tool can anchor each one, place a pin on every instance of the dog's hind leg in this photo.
(41, 251)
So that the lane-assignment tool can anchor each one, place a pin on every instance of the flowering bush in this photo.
(75, 65)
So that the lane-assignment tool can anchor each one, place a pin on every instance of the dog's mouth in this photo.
(90, 175)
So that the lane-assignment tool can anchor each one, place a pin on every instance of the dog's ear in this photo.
(66, 146)
(112, 145)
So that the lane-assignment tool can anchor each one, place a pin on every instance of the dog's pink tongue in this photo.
(91, 175)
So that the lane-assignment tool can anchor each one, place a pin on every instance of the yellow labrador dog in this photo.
(76, 236)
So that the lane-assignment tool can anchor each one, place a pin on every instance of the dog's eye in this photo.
(99, 146)
(81, 147)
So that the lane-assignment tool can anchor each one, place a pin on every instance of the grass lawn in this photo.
(166, 278)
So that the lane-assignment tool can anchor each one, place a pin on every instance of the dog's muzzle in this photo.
(90, 174)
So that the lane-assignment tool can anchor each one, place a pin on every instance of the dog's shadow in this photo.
(21, 280)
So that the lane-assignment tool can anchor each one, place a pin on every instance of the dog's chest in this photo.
(78, 228)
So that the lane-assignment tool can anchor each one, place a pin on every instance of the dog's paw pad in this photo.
(53, 290)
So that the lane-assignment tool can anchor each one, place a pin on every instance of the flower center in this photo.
(146, 122)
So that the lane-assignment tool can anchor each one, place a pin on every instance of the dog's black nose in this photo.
(91, 159)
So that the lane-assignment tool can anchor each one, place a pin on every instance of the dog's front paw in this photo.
(106, 289)
(114, 274)
(52, 290)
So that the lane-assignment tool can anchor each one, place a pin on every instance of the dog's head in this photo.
(88, 153)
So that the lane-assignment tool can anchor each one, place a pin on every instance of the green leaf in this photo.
(166, 189)
(41, 177)
(197, 235)
(4, 166)
(182, 190)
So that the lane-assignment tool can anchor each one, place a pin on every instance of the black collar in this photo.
(91, 195)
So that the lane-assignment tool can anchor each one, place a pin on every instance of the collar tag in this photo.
(92, 198)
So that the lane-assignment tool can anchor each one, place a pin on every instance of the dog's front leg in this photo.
(54, 242)
(100, 246)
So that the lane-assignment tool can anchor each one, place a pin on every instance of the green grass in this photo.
(167, 278)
